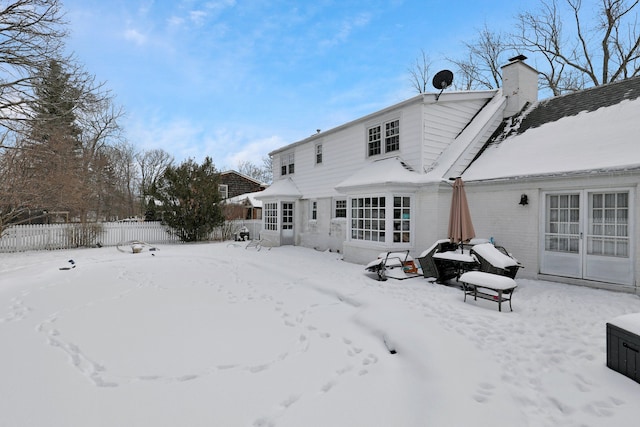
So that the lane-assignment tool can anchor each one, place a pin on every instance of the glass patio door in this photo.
(608, 248)
(562, 249)
(587, 235)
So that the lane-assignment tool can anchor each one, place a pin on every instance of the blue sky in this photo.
(235, 79)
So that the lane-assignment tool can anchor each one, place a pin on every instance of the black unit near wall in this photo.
(623, 352)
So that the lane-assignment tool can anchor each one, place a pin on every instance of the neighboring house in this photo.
(234, 183)
(237, 190)
(249, 206)
(381, 182)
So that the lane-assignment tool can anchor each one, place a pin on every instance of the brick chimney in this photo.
(519, 85)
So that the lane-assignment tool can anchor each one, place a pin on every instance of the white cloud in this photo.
(184, 139)
(346, 28)
(135, 36)
(198, 16)
(254, 151)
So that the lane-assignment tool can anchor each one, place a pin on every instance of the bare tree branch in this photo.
(419, 73)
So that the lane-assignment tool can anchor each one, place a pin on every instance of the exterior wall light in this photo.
(524, 200)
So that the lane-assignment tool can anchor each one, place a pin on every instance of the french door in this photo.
(587, 235)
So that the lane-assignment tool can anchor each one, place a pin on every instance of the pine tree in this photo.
(189, 199)
(54, 150)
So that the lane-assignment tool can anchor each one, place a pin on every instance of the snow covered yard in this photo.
(217, 335)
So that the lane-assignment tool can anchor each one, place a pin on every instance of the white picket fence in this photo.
(32, 237)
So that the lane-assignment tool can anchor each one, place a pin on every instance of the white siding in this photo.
(443, 121)
(345, 151)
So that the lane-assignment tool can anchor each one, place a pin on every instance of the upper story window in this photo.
(287, 164)
(318, 154)
(223, 190)
(384, 136)
(374, 140)
(392, 136)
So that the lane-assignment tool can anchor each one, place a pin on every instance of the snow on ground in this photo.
(220, 335)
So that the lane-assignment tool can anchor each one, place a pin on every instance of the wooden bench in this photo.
(492, 287)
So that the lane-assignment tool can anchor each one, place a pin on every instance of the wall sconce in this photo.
(524, 200)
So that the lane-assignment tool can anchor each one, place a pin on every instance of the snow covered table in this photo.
(623, 345)
(492, 287)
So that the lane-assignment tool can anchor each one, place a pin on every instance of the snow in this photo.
(281, 188)
(628, 322)
(216, 334)
(494, 281)
(494, 256)
(385, 172)
(250, 197)
(604, 139)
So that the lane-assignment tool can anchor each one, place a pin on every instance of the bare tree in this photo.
(120, 182)
(151, 164)
(262, 174)
(593, 53)
(267, 167)
(419, 73)
(31, 33)
(481, 68)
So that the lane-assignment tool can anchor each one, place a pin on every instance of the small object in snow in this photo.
(73, 265)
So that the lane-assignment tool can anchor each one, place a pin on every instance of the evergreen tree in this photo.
(189, 199)
(54, 155)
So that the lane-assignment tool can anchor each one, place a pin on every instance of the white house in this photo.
(576, 161)
(381, 182)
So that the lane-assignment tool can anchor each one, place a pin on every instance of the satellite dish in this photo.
(442, 80)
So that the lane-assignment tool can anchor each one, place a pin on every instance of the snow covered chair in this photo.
(429, 268)
(495, 260)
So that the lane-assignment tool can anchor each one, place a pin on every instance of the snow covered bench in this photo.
(492, 287)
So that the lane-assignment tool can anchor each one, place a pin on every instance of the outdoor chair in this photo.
(495, 260)
(427, 263)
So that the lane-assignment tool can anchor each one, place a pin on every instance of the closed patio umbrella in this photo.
(460, 225)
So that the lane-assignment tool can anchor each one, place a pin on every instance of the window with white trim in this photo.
(287, 163)
(401, 219)
(270, 215)
(384, 136)
(368, 218)
(223, 190)
(314, 210)
(392, 136)
(340, 209)
(318, 154)
(374, 145)
(375, 218)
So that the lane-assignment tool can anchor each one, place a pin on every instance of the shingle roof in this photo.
(553, 109)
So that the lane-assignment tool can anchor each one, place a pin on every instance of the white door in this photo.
(561, 246)
(608, 247)
(287, 223)
(586, 235)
